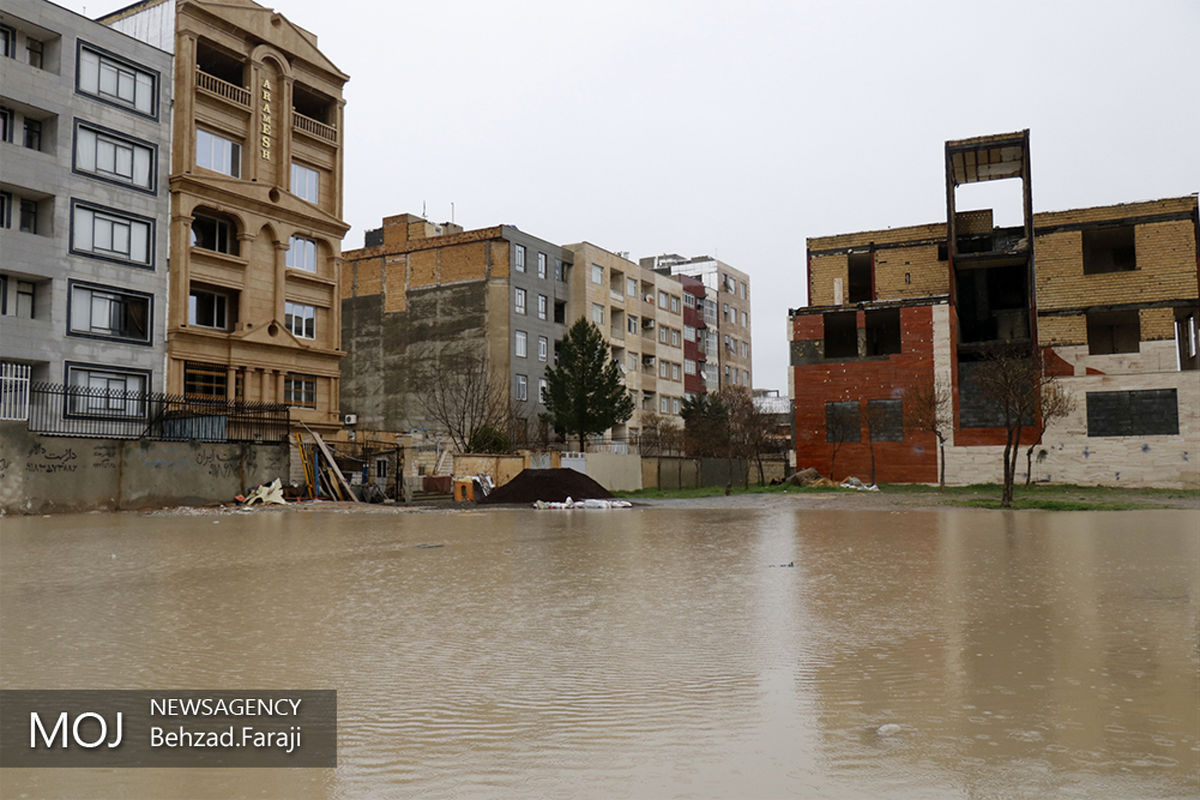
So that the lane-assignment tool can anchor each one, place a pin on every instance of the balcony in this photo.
(617, 332)
(224, 89)
(314, 128)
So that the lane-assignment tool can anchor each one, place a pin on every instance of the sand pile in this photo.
(552, 485)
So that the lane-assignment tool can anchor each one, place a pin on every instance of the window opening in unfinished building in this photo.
(1113, 332)
(841, 334)
(993, 304)
(883, 331)
(1109, 250)
(885, 420)
(1145, 412)
(1187, 337)
(860, 277)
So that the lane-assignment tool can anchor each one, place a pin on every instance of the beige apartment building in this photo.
(640, 312)
(256, 205)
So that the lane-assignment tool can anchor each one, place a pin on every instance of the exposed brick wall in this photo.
(877, 378)
(927, 275)
(824, 270)
(1062, 330)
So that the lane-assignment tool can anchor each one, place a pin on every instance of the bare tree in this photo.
(1055, 404)
(840, 427)
(931, 408)
(460, 393)
(1014, 385)
(659, 435)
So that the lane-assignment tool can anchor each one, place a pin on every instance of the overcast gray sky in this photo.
(738, 129)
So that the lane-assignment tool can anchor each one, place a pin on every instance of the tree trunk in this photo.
(872, 462)
(1029, 464)
(1006, 491)
(942, 451)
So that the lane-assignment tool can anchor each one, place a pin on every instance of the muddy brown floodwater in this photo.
(742, 652)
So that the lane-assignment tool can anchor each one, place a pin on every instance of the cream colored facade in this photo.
(256, 205)
(640, 312)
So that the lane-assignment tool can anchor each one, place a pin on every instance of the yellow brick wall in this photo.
(394, 274)
(499, 256)
(824, 270)
(929, 276)
(1166, 268)
(935, 230)
(464, 262)
(1122, 211)
(1062, 331)
(1157, 323)
(422, 268)
(367, 278)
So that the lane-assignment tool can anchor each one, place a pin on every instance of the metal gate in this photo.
(14, 391)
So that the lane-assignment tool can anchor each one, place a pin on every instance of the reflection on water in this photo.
(654, 652)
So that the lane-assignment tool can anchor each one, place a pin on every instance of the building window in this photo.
(97, 311)
(208, 309)
(302, 254)
(520, 344)
(381, 469)
(6, 124)
(675, 304)
(1113, 332)
(885, 420)
(114, 158)
(218, 153)
(597, 273)
(300, 391)
(675, 405)
(543, 387)
(742, 291)
(725, 312)
(29, 216)
(841, 422)
(841, 334)
(689, 300)
(305, 183)
(519, 301)
(519, 257)
(882, 331)
(541, 265)
(5, 210)
(205, 381)
(300, 319)
(632, 323)
(33, 134)
(34, 52)
(106, 392)
(543, 348)
(1187, 338)
(8, 42)
(1150, 412)
(543, 306)
(664, 334)
(662, 300)
(598, 314)
(745, 320)
(522, 387)
(110, 234)
(560, 272)
(25, 297)
(116, 81)
(689, 366)
(1109, 250)
(675, 337)
(631, 287)
(214, 233)
(675, 373)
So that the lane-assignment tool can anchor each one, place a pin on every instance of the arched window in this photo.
(214, 231)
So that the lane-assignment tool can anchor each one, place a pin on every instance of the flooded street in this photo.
(707, 652)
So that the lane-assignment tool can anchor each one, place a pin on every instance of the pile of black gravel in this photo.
(551, 485)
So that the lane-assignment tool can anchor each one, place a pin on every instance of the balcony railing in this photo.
(311, 126)
(231, 92)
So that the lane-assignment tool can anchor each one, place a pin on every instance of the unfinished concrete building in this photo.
(419, 297)
(1107, 296)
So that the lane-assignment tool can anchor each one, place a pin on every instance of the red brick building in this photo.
(1108, 296)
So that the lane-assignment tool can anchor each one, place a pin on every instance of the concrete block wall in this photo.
(42, 474)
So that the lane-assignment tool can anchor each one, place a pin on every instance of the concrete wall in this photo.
(502, 468)
(41, 474)
(616, 473)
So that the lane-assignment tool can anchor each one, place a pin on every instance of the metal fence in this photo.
(92, 412)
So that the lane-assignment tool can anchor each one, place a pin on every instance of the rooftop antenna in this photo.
(423, 216)
(452, 211)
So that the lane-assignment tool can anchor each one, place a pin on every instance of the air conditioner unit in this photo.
(351, 419)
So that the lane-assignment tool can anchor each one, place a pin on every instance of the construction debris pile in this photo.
(549, 486)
